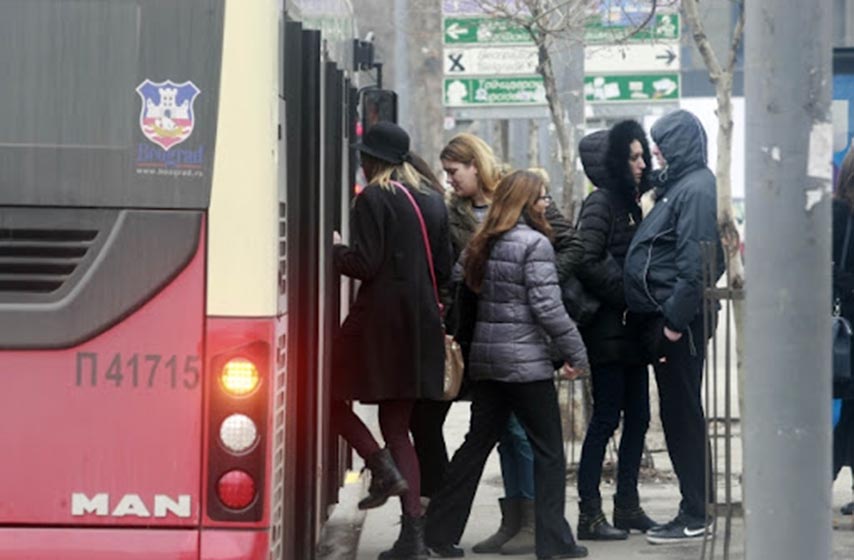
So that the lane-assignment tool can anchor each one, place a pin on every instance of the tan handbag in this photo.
(454, 365)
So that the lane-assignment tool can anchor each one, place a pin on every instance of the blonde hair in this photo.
(544, 175)
(382, 173)
(470, 150)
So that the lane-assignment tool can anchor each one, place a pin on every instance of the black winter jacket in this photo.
(663, 268)
(608, 221)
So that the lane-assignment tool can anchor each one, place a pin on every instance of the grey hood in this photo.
(682, 141)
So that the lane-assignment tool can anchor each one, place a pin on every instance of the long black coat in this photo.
(391, 344)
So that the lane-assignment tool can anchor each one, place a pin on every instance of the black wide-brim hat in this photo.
(385, 141)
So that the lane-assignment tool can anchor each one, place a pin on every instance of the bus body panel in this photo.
(129, 402)
(243, 278)
(100, 544)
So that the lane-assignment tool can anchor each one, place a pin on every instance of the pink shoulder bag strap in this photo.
(426, 240)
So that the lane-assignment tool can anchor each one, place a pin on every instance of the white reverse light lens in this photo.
(238, 433)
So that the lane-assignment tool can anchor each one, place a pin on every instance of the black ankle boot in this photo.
(410, 543)
(629, 516)
(386, 480)
(592, 525)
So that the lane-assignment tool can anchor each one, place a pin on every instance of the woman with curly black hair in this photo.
(618, 163)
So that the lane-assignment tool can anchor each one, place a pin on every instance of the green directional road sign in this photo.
(632, 87)
(486, 92)
(666, 27)
(483, 30)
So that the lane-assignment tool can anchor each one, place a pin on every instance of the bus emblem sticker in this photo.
(166, 117)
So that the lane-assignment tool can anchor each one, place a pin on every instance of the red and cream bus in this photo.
(170, 173)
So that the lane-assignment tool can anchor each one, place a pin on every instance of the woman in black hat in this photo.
(390, 349)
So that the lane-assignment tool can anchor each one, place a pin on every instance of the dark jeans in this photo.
(428, 419)
(679, 379)
(517, 461)
(618, 389)
(535, 405)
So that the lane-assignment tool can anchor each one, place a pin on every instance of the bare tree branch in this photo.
(638, 28)
(692, 15)
(737, 35)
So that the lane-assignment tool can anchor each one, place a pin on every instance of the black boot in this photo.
(629, 515)
(386, 480)
(410, 543)
(592, 525)
(511, 518)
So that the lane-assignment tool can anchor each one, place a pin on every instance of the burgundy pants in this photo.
(394, 419)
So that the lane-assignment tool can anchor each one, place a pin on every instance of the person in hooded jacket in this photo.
(390, 349)
(618, 163)
(664, 285)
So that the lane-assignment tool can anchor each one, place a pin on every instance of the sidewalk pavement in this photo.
(660, 498)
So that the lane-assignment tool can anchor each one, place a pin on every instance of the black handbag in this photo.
(841, 332)
(579, 303)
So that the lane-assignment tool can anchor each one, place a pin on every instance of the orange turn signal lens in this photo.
(239, 377)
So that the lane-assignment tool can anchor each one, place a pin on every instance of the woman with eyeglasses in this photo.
(510, 264)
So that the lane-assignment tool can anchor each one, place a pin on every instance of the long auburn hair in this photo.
(515, 197)
(845, 181)
(468, 149)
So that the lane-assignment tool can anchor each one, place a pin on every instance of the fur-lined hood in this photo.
(605, 156)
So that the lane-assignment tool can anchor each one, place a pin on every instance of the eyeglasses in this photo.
(545, 197)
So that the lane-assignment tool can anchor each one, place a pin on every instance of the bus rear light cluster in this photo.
(238, 433)
(238, 419)
(236, 489)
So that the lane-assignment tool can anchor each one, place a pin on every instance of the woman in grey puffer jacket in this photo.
(520, 318)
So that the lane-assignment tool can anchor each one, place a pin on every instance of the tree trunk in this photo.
(533, 143)
(564, 133)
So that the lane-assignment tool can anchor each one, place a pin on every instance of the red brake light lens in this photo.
(236, 489)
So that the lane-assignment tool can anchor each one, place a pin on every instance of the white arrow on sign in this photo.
(665, 86)
(491, 61)
(606, 59)
(455, 30)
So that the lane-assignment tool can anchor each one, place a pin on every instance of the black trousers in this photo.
(426, 425)
(679, 378)
(618, 390)
(843, 438)
(535, 405)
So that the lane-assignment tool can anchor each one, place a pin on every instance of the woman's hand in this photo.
(336, 238)
(571, 373)
(672, 336)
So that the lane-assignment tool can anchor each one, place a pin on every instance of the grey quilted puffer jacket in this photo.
(520, 316)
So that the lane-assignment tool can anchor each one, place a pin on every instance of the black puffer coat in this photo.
(608, 221)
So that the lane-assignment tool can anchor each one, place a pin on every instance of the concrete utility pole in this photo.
(787, 423)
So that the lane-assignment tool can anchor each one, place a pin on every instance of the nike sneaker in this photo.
(684, 528)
